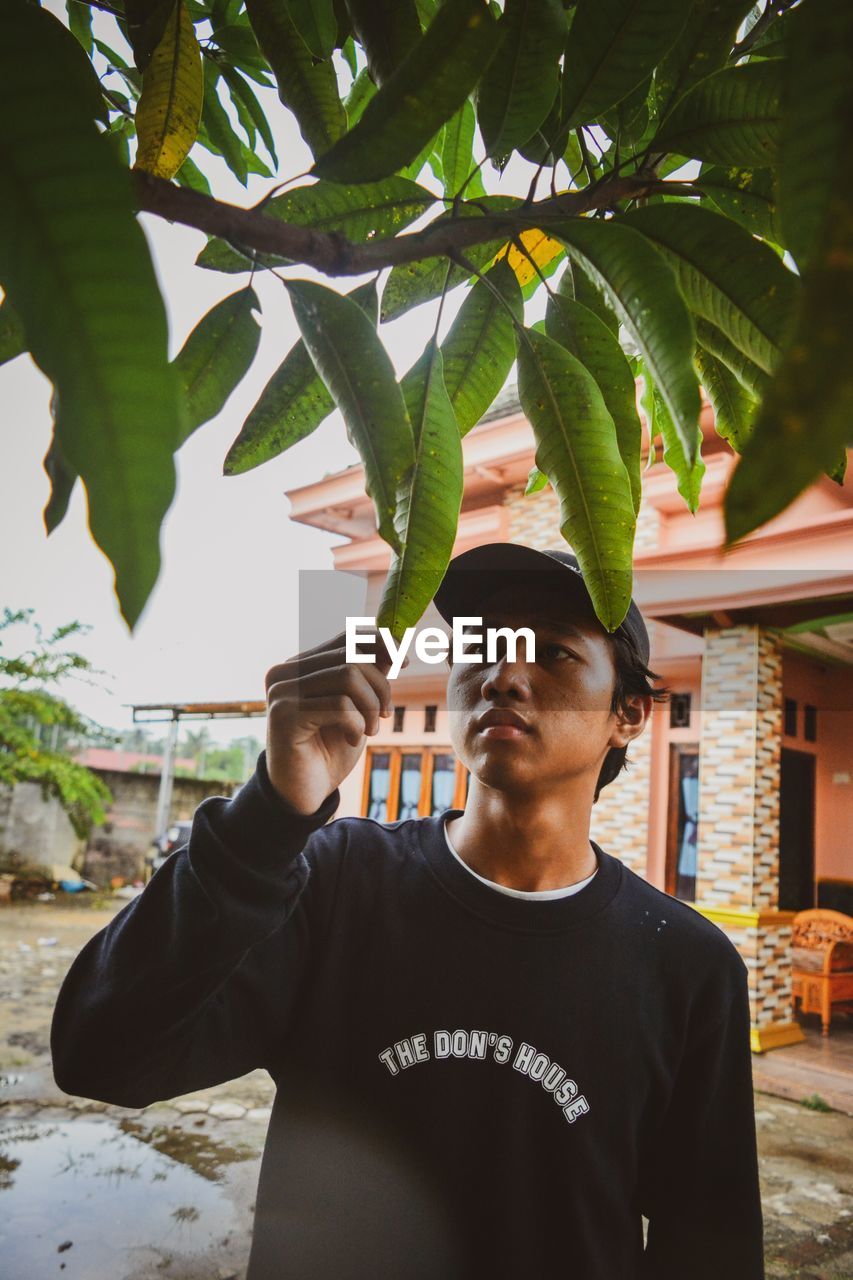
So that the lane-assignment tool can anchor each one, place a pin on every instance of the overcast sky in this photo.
(223, 609)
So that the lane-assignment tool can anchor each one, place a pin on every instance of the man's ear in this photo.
(631, 722)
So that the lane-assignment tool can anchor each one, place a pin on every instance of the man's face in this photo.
(563, 696)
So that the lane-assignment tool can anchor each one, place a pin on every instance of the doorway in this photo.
(796, 831)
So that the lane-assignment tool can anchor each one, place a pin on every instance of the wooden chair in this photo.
(822, 961)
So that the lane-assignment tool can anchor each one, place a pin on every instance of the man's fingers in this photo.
(305, 664)
(331, 710)
(332, 654)
(368, 689)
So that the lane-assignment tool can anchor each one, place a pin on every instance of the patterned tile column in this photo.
(620, 816)
(737, 879)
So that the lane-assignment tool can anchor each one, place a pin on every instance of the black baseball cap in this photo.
(473, 576)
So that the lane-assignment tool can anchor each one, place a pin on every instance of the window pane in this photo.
(380, 779)
(410, 786)
(810, 725)
(688, 826)
(791, 717)
(443, 783)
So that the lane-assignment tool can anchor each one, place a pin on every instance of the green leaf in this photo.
(732, 117)
(350, 56)
(13, 340)
(62, 481)
(363, 89)
(753, 380)
(363, 212)
(773, 43)
(733, 407)
(548, 141)
(217, 126)
(838, 470)
(536, 480)
(415, 282)
(116, 62)
(628, 122)
(479, 349)
(75, 265)
(428, 511)
(426, 89)
(589, 340)
(703, 46)
(223, 12)
(216, 356)
(238, 43)
(612, 47)
(576, 449)
(803, 422)
(575, 283)
(520, 83)
(242, 93)
(688, 475)
(355, 367)
(316, 23)
(82, 79)
(387, 31)
(425, 156)
(80, 24)
(292, 404)
(307, 88)
(118, 135)
(360, 211)
(189, 175)
(642, 290)
(725, 274)
(816, 130)
(746, 195)
(457, 158)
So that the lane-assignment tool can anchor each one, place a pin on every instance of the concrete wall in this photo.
(35, 831)
(38, 832)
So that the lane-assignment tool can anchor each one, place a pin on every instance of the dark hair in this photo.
(632, 677)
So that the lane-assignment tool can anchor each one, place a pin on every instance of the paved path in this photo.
(215, 1138)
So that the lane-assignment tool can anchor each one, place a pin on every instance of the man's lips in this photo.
(502, 724)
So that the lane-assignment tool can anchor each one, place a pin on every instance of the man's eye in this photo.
(556, 651)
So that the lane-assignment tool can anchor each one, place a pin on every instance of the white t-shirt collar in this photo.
(531, 895)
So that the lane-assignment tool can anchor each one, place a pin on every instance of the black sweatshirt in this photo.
(468, 1083)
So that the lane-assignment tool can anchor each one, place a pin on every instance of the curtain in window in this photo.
(689, 829)
(443, 783)
(380, 781)
(410, 786)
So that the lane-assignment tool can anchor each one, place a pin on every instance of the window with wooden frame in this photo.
(412, 782)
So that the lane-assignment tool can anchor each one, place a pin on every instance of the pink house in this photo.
(739, 797)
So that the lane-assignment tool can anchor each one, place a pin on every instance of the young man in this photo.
(496, 1048)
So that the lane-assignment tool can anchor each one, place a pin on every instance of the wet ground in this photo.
(97, 1192)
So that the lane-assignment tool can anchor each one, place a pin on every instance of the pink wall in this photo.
(830, 689)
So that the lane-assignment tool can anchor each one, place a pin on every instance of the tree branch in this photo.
(334, 255)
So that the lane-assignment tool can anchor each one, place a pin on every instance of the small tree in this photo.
(28, 708)
(684, 163)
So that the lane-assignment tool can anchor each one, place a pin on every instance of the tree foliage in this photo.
(28, 706)
(684, 164)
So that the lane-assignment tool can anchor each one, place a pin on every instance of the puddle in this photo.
(124, 1196)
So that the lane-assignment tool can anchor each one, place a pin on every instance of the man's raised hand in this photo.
(321, 710)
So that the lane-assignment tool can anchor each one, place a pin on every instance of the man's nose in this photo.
(504, 676)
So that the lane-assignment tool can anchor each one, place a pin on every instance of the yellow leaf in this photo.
(541, 248)
(169, 107)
